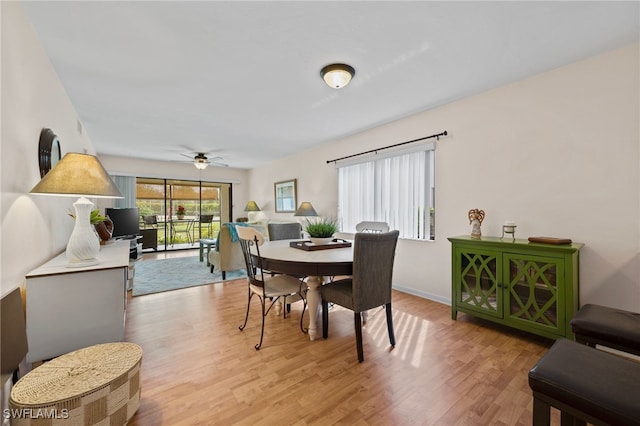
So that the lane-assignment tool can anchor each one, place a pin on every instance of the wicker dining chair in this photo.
(368, 287)
(266, 287)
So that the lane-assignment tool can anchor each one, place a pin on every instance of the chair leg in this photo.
(224, 275)
(392, 336)
(264, 314)
(211, 270)
(325, 319)
(358, 325)
(247, 315)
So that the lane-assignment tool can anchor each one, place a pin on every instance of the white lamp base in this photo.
(84, 243)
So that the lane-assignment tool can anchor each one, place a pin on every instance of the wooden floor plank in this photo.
(199, 369)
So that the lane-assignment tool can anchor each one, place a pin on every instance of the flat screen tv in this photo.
(126, 222)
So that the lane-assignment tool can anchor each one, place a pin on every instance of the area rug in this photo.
(155, 276)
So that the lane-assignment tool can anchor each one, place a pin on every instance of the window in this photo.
(397, 188)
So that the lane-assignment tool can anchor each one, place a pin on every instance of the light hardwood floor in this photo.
(199, 369)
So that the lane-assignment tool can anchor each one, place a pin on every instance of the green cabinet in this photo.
(529, 286)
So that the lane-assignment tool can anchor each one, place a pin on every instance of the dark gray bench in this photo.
(614, 328)
(586, 385)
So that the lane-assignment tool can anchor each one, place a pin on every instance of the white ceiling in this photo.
(241, 80)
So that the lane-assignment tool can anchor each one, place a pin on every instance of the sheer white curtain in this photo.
(396, 188)
(127, 186)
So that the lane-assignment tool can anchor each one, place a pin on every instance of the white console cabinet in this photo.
(69, 308)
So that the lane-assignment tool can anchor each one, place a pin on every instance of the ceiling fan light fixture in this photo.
(337, 75)
(200, 161)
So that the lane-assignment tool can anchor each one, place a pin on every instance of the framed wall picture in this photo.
(286, 194)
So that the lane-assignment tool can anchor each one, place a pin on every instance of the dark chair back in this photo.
(284, 231)
(373, 257)
(14, 333)
(206, 218)
(150, 220)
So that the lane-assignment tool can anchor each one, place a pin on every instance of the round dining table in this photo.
(317, 265)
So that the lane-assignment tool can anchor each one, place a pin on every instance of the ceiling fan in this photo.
(201, 161)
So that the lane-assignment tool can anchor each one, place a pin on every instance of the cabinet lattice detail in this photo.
(479, 285)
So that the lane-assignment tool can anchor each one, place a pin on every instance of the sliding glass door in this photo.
(182, 211)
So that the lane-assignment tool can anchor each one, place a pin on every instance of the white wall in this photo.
(33, 228)
(557, 153)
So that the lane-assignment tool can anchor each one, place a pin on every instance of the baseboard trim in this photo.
(423, 294)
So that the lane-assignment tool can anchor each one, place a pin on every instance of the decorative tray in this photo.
(309, 246)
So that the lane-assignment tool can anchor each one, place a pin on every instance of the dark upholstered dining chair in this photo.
(284, 231)
(263, 285)
(368, 287)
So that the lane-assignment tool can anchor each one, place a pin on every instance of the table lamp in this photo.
(79, 175)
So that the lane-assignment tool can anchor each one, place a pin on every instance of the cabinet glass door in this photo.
(532, 295)
(478, 287)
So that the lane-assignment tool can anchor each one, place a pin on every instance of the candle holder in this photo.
(509, 228)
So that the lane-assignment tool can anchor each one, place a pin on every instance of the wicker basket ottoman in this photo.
(98, 385)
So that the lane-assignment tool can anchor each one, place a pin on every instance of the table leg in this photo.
(313, 303)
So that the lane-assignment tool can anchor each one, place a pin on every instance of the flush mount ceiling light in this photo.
(337, 75)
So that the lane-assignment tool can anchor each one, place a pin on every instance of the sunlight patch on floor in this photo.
(410, 332)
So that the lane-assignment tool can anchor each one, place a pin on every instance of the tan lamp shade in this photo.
(251, 206)
(78, 175)
(305, 209)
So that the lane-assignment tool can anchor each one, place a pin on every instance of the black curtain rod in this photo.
(390, 146)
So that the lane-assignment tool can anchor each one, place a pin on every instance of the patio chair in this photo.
(207, 220)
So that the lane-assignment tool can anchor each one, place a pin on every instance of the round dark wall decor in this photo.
(48, 151)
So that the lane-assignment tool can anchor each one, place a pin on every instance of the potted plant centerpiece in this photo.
(321, 230)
